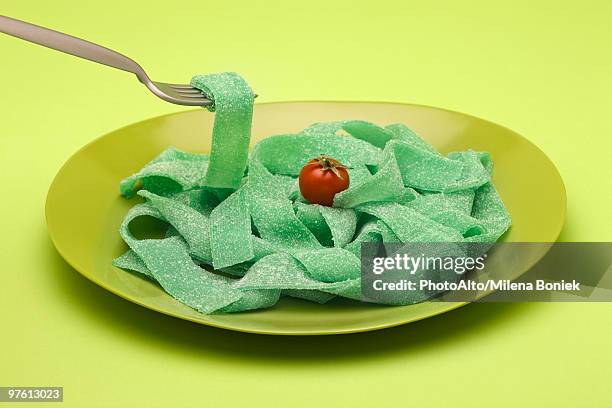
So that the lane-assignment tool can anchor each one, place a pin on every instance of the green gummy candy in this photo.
(341, 222)
(330, 264)
(253, 299)
(287, 154)
(129, 260)
(278, 271)
(385, 185)
(263, 248)
(233, 103)
(230, 232)
(192, 225)
(276, 222)
(286, 184)
(424, 170)
(465, 224)
(170, 264)
(405, 134)
(331, 226)
(170, 172)
(238, 270)
(408, 195)
(311, 217)
(359, 174)
(350, 289)
(315, 296)
(173, 268)
(282, 271)
(369, 232)
(203, 201)
(139, 210)
(369, 132)
(387, 234)
(450, 209)
(486, 160)
(272, 212)
(409, 225)
(280, 185)
(253, 225)
(490, 210)
(461, 201)
(473, 173)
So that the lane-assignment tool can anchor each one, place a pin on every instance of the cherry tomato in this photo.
(321, 179)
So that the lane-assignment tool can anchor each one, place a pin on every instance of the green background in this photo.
(541, 68)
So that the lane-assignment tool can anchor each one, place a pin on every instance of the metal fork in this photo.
(180, 94)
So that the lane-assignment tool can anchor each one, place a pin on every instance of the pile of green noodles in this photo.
(240, 235)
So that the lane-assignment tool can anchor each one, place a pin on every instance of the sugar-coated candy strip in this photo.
(170, 172)
(369, 232)
(253, 299)
(233, 106)
(486, 160)
(385, 185)
(282, 228)
(294, 248)
(129, 260)
(315, 296)
(172, 267)
(330, 264)
(341, 222)
(287, 154)
(331, 226)
(168, 262)
(409, 225)
(230, 232)
(387, 234)
(429, 203)
(473, 174)
(350, 289)
(278, 271)
(490, 210)
(203, 201)
(262, 248)
(450, 209)
(275, 220)
(191, 225)
(238, 270)
(283, 271)
(310, 215)
(359, 174)
(369, 132)
(405, 134)
(272, 212)
(424, 170)
(408, 195)
(465, 224)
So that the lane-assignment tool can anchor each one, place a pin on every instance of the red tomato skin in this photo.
(320, 186)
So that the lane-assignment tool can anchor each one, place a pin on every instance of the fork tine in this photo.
(181, 94)
(193, 96)
(181, 86)
(188, 91)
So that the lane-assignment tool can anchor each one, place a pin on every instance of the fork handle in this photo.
(70, 45)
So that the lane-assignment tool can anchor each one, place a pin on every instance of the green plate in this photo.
(84, 209)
